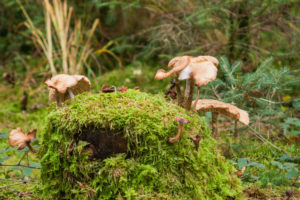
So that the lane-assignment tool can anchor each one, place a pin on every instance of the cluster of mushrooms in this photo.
(61, 87)
(198, 71)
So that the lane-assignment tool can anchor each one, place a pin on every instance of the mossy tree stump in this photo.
(115, 146)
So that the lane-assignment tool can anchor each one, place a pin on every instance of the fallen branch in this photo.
(5, 165)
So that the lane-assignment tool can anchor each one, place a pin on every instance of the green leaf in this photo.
(35, 164)
(27, 171)
(294, 133)
(3, 135)
(285, 157)
(293, 121)
(289, 165)
(278, 164)
(292, 173)
(242, 162)
(256, 164)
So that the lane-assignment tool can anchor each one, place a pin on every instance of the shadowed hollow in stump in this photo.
(104, 143)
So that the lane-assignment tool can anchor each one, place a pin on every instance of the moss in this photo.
(155, 168)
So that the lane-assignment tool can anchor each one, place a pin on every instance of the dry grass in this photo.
(66, 47)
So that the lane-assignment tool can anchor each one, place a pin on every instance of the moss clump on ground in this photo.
(151, 169)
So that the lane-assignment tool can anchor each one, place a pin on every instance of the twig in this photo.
(25, 153)
(15, 180)
(257, 134)
(5, 165)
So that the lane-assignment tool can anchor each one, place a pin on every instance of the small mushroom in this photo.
(241, 172)
(17, 138)
(62, 87)
(123, 89)
(196, 141)
(219, 107)
(106, 89)
(181, 121)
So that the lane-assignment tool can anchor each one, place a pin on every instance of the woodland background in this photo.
(124, 42)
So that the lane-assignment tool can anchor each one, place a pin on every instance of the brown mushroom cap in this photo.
(160, 74)
(182, 120)
(211, 59)
(203, 72)
(202, 68)
(59, 84)
(18, 138)
(210, 105)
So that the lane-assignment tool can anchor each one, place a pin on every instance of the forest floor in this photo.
(267, 175)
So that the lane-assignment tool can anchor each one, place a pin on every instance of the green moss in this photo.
(155, 169)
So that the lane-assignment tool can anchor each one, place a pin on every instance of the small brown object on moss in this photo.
(123, 89)
(106, 89)
(241, 172)
(196, 141)
(17, 138)
(181, 121)
(63, 86)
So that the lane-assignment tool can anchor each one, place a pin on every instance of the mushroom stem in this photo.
(196, 141)
(214, 124)
(197, 97)
(176, 138)
(235, 129)
(179, 95)
(188, 95)
(70, 93)
(33, 150)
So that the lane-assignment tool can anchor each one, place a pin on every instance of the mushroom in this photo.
(219, 107)
(195, 70)
(123, 89)
(62, 87)
(18, 138)
(196, 141)
(203, 70)
(181, 121)
(241, 172)
(106, 89)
